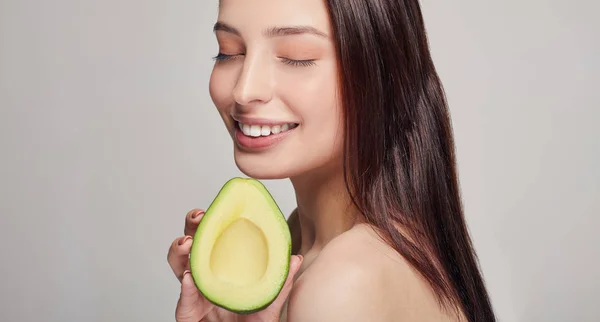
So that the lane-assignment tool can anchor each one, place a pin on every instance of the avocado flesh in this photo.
(241, 250)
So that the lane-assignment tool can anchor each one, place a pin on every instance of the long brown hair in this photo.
(400, 163)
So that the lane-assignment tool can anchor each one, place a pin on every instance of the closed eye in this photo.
(223, 57)
(298, 63)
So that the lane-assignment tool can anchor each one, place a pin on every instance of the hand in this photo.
(192, 306)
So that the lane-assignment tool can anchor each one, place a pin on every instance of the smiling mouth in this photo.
(253, 130)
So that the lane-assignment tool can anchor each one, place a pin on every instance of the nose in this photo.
(254, 84)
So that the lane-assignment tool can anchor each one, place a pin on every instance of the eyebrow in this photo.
(274, 31)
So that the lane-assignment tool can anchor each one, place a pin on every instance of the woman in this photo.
(341, 96)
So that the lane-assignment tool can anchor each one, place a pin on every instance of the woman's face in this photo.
(275, 85)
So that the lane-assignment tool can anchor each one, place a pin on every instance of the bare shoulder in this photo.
(357, 277)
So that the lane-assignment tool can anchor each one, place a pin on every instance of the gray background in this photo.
(108, 137)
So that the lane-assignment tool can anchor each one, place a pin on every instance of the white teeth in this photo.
(255, 130)
(246, 129)
(264, 130)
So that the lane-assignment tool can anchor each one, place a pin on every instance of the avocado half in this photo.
(240, 256)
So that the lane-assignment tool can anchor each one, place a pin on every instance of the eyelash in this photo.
(291, 62)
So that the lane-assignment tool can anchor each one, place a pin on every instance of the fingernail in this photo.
(184, 239)
(186, 272)
(194, 216)
(300, 259)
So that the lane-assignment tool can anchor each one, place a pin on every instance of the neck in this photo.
(324, 208)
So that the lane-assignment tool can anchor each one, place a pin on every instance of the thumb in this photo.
(277, 305)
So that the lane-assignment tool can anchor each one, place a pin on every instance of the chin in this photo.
(271, 165)
(261, 166)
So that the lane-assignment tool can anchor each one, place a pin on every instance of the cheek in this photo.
(311, 94)
(222, 82)
(313, 98)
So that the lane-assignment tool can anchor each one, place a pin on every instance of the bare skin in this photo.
(271, 70)
(360, 278)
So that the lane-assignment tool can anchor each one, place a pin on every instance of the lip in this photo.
(260, 143)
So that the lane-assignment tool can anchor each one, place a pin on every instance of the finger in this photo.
(295, 264)
(178, 255)
(192, 306)
(192, 219)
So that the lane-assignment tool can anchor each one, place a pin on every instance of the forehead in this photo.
(252, 17)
